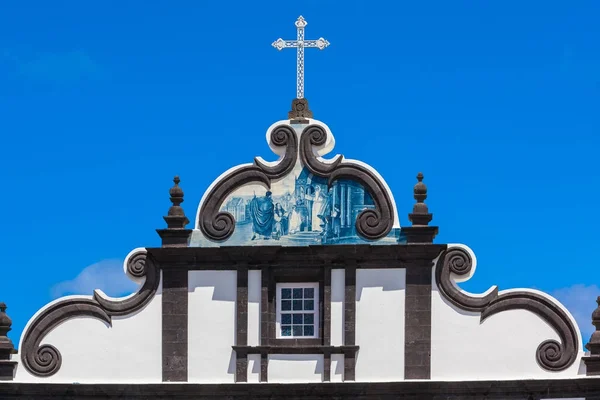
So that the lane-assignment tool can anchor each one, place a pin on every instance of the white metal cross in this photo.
(300, 44)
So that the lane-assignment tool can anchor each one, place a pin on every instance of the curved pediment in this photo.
(299, 199)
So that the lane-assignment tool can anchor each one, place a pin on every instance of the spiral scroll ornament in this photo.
(281, 136)
(458, 261)
(316, 136)
(139, 265)
(136, 265)
(45, 360)
(371, 224)
(550, 354)
(219, 225)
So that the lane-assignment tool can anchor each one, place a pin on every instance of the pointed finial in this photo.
(175, 235)
(592, 361)
(7, 367)
(420, 215)
(5, 321)
(176, 194)
(420, 231)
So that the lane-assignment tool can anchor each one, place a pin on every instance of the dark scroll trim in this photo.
(219, 225)
(46, 360)
(371, 224)
(551, 354)
(138, 265)
(459, 262)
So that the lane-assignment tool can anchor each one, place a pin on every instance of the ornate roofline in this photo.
(45, 360)
(314, 141)
(458, 263)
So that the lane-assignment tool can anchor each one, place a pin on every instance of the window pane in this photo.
(297, 293)
(309, 319)
(309, 293)
(309, 330)
(297, 319)
(297, 305)
(286, 305)
(297, 330)
(286, 330)
(309, 305)
(286, 319)
(286, 293)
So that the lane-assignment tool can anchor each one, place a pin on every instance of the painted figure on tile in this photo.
(295, 220)
(281, 222)
(318, 205)
(335, 222)
(263, 215)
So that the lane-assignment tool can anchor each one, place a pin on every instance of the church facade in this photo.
(297, 280)
(337, 301)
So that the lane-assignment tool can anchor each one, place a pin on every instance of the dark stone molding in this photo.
(371, 224)
(8, 368)
(419, 234)
(296, 258)
(270, 277)
(139, 266)
(471, 390)
(459, 262)
(417, 322)
(219, 225)
(551, 354)
(292, 349)
(241, 323)
(175, 325)
(350, 322)
(45, 360)
(592, 359)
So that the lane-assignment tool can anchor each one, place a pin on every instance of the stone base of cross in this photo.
(300, 111)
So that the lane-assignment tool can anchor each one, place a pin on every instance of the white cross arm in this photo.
(281, 44)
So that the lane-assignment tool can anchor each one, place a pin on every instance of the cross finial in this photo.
(300, 44)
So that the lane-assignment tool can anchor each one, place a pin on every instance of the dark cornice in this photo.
(514, 389)
(45, 360)
(551, 354)
(363, 255)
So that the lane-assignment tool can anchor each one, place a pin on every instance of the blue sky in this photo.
(101, 104)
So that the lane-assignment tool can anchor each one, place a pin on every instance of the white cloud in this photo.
(580, 300)
(107, 275)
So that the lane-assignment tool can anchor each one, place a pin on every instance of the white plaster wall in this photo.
(295, 368)
(253, 368)
(254, 294)
(93, 351)
(211, 326)
(502, 347)
(337, 306)
(380, 303)
(337, 368)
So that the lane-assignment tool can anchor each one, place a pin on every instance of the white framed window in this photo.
(297, 310)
